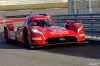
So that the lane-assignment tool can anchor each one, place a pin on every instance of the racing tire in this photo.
(6, 36)
(26, 40)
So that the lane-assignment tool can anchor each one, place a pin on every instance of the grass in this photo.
(43, 6)
(34, 6)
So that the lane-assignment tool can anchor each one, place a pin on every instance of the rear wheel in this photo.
(6, 35)
(26, 40)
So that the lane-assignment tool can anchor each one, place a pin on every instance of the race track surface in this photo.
(59, 55)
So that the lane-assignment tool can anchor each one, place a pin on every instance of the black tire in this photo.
(26, 40)
(6, 35)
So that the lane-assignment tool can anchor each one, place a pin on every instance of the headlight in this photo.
(80, 28)
(37, 31)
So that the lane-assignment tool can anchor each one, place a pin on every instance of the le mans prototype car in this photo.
(39, 30)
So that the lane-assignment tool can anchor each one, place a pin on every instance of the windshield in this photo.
(42, 22)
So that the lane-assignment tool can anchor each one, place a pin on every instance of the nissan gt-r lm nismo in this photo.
(39, 30)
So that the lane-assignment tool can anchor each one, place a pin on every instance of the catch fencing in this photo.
(79, 6)
(91, 22)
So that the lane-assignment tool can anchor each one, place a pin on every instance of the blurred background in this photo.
(78, 6)
(20, 2)
(32, 4)
(74, 6)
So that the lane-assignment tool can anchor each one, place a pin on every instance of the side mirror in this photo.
(53, 24)
(33, 23)
(67, 21)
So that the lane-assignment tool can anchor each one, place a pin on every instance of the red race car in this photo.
(39, 30)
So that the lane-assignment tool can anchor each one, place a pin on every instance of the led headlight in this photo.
(79, 29)
(37, 31)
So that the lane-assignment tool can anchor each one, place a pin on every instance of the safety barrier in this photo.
(91, 21)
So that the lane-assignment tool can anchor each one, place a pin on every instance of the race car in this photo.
(39, 30)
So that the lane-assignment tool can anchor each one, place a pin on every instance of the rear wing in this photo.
(46, 15)
(15, 16)
(22, 16)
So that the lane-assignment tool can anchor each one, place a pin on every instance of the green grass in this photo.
(34, 6)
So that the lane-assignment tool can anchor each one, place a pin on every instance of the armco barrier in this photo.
(91, 21)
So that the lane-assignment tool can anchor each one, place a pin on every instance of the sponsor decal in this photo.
(37, 38)
(12, 37)
(59, 31)
(19, 38)
(20, 33)
(12, 33)
(61, 39)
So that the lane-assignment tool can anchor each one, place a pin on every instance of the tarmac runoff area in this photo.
(67, 55)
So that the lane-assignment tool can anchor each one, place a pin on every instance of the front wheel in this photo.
(26, 40)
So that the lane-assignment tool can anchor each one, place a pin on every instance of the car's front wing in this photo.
(83, 42)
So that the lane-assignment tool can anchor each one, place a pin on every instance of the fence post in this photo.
(74, 5)
(90, 6)
(85, 6)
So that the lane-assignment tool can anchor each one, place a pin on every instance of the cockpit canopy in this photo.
(40, 20)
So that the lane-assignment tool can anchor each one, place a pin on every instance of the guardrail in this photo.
(91, 22)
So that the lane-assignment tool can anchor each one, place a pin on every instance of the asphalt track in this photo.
(66, 55)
